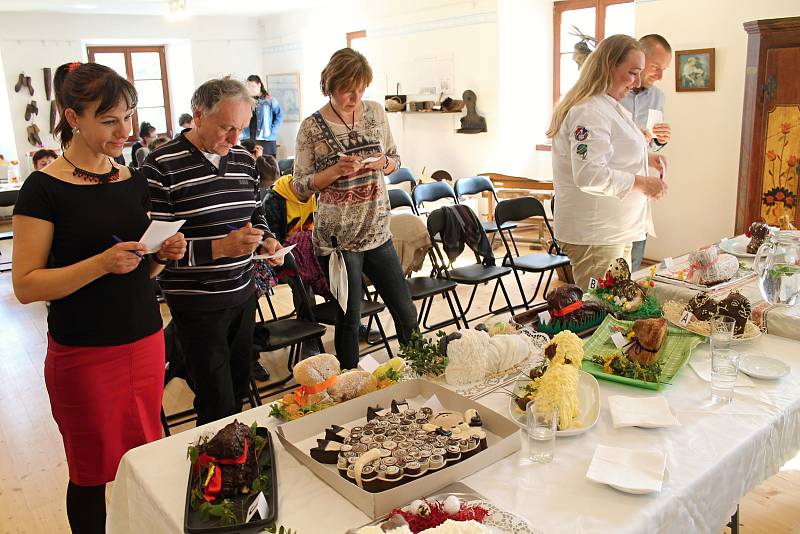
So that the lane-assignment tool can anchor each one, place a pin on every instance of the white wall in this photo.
(198, 48)
(471, 42)
(706, 127)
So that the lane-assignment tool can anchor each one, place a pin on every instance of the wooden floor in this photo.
(33, 471)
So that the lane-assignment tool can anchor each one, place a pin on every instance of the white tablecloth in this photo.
(715, 457)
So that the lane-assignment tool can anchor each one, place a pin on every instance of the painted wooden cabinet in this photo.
(770, 151)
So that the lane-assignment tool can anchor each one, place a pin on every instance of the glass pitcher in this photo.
(778, 266)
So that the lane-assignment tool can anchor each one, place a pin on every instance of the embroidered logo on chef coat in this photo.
(582, 150)
(581, 133)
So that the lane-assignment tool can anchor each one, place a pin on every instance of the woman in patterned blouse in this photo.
(343, 152)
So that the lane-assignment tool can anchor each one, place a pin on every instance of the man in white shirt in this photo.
(658, 56)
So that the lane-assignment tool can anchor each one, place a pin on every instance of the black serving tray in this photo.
(193, 522)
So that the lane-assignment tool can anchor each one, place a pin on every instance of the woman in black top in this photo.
(75, 232)
(147, 133)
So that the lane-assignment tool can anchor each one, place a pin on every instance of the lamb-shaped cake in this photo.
(709, 267)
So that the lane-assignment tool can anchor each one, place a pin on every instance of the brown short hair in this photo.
(653, 39)
(347, 68)
(43, 153)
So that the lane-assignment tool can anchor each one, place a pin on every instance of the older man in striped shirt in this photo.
(203, 176)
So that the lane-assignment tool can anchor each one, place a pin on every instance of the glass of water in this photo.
(724, 370)
(542, 426)
(722, 328)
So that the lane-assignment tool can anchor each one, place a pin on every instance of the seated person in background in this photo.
(147, 132)
(142, 153)
(267, 166)
(186, 122)
(43, 157)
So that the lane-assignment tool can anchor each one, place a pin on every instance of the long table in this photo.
(715, 457)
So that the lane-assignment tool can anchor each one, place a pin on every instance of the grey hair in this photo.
(207, 97)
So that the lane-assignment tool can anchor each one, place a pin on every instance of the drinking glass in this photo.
(542, 425)
(724, 370)
(722, 328)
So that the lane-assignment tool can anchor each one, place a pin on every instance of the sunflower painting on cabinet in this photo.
(779, 183)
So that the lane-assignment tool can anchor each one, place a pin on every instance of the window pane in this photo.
(146, 65)
(568, 71)
(155, 116)
(151, 93)
(581, 19)
(114, 60)
(574, 23)
(620, 18)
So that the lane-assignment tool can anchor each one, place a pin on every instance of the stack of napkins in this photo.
(645, 412)
(628, 470)
(702, 367)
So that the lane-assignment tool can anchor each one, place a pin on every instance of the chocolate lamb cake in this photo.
(758, 232)
(566, 303)
(702, 306)
(231, 443)
(737, 306)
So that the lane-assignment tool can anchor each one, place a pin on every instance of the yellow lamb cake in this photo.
(565, 348)
(558, 388)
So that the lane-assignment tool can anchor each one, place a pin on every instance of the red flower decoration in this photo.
(780, 196)
(792, 160)
(771, 155)
(786, 127)
(770, 200)
(789, 201)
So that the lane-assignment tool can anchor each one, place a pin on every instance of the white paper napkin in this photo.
(645, 412)
(636, 471)
(702, 367)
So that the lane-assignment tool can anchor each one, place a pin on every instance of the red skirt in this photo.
(106, 400)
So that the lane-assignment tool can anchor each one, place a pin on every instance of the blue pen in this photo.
(231, 227)
(118, 240)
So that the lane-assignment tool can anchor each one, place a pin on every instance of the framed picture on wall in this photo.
(285, 88)
(694, 70)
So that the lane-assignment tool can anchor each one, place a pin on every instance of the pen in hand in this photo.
(118, 240)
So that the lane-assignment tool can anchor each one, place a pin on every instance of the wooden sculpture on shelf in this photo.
(471, 123)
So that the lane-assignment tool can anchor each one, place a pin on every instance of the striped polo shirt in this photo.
(184, 184)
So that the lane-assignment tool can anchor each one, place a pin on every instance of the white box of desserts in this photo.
(405, 452)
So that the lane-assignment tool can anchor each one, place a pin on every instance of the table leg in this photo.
(734, 522)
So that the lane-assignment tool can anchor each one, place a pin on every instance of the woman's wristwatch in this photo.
(158, 260)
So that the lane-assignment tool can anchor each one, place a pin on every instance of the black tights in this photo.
(86, 508)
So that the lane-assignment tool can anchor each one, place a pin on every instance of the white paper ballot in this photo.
(259, 505)
(654, 116)
(158, 232)
(278, 254)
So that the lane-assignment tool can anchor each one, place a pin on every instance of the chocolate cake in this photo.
(758, 232)
(563, 303)
(702, 306)
(229, 444)
(737, 306)
(401, 444)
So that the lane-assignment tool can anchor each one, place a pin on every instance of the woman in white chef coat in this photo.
(600, 163)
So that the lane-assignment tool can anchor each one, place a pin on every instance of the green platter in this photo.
(675, 352)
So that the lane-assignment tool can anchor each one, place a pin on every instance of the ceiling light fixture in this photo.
(177, 10)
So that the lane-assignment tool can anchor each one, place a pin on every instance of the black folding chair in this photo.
(286, 166)
(431, 192)
(471, 275)
(403, 175)
(7, 198)
(474, 185)
(519, 209)
(399, 198)
(290, 332)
